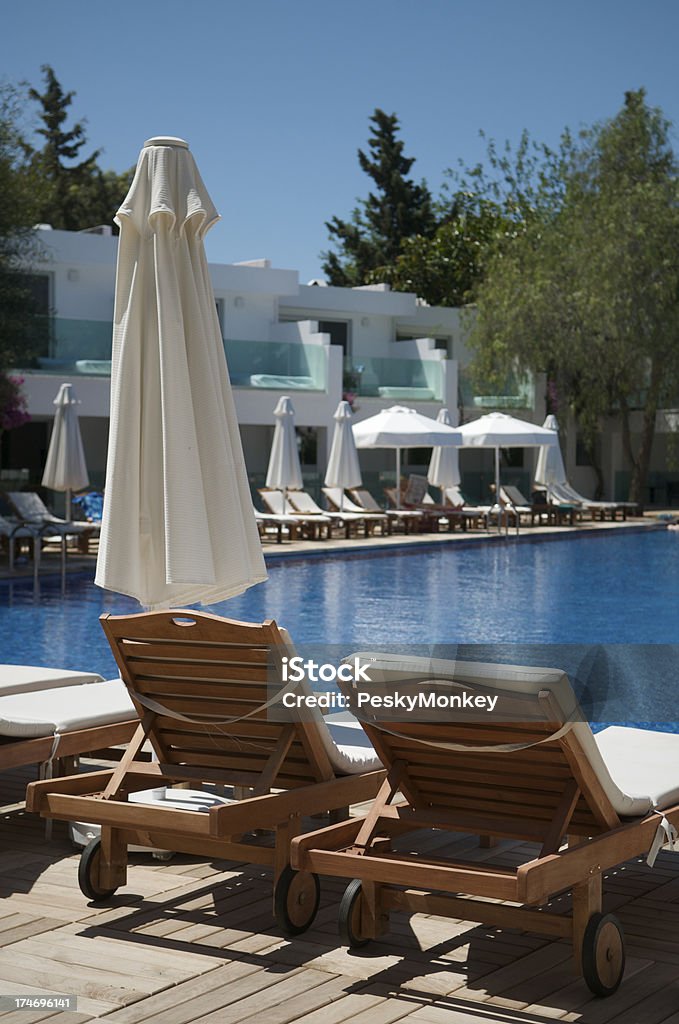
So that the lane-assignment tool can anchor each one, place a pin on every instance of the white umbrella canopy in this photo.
(343, 466)
(284, 471)
(178, 524)
(399, 427)
(550, 469)
(444, 467)
(499, 430)
(65, 466)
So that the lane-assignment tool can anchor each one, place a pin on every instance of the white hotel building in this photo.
(312, 342)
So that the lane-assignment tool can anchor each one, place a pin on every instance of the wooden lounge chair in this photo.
(31, 509)
(415, 496)
(530, 771)
(348, 522)
(199, 684)
(409, 521)
(312, 527)
(476, 515)
(560, 494)
(47, 720)
(341, 502)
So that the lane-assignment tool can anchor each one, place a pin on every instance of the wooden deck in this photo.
(192, 942)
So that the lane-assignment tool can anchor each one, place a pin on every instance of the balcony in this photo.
(83, 348)
(399, 380)
(514, 393)
(277, 365)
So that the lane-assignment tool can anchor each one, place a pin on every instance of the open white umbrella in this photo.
(178, 524)
(65, 466)
(399, 427)
(343, 467)
(550, 469)
(499, 430)
(284, 471)
(444, 467)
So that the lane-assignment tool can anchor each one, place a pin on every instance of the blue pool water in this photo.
(618, 589)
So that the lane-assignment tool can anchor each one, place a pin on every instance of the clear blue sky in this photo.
(274, 96)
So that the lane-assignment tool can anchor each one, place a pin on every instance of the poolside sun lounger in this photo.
(565, 494)
(305, 505)
(31, 509)
(340, 501)
(313, 527)
(409, 520)
(199, 684)
(44, 726)
(278, 524)
(29, 678)
(530, 771)
(475, 514)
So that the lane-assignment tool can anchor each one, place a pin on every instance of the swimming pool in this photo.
(619, 588)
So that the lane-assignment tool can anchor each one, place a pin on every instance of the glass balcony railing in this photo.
(415, 380)
(83, 347)
(514, 393)
(282, 365)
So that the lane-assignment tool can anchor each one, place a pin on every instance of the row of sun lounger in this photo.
(533, 771)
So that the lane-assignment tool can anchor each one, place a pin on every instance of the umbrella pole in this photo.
(497, 488)
(398, 478)
(67, 511)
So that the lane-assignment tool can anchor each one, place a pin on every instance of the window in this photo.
(339, 333)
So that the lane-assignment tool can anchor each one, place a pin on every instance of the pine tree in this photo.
(399, 208)
(74, 195)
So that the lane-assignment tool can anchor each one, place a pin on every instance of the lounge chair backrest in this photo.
(29, 506)
(416, 491)
(204, 678)
(364, 498)
(304, 503)
(513, 495)
(454, 496)
(276, 502)
(495, 765)
(334, 496)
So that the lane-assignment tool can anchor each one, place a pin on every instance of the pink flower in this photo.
(13, 407)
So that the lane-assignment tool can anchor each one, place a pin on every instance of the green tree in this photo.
(18, 244)
(585, 287)
(398, 208)
(75, 192)
(445, 268)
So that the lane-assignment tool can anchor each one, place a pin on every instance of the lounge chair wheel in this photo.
(88, 873)
(350, 916)
(296, 900)
(603, 954)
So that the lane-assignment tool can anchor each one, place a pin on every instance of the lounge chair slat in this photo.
(203, 653)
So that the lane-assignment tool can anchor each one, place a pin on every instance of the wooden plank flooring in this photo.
(194, 942)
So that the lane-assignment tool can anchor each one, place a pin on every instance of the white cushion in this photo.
(642, 762)
(44, 712)
(25, 678)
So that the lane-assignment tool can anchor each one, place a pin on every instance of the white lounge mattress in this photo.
(65, 709)
(27, 678)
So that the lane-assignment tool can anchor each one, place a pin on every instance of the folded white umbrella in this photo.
(343, 467)
(178, 525)
(550, 469)
(284, 472)
(499, 430)
(444, 468)
(399, 427)
(65, 466)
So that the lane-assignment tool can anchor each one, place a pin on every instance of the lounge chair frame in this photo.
(545, 792)
(173, 663)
